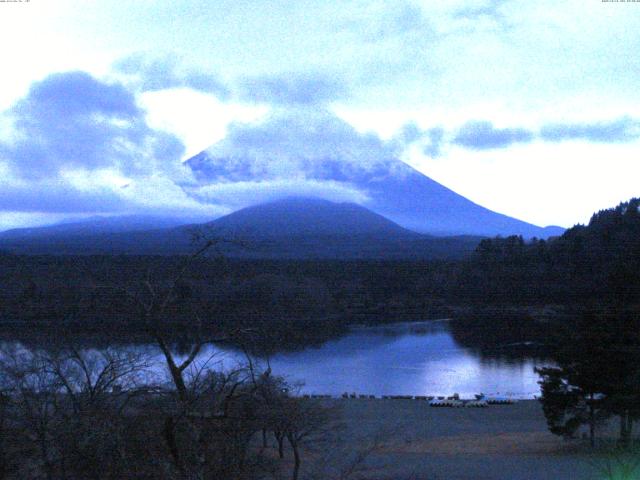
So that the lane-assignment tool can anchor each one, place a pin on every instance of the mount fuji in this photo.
(316, 154)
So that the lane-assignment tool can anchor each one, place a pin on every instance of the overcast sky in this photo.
(531, 109)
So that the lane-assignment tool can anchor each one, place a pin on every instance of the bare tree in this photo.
(92, 379)
(34, 398)
(303, 421)
(64, 402)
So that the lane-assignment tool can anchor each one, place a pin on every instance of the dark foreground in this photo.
(495, 443)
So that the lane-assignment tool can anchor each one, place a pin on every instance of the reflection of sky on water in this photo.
(403, 359)
(405, 364)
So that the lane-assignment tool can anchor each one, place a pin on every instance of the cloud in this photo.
(294, 152)
(81, 145)
(622, 130)
(376, 22)
(153, 73)
(296, 143)
(293, 89)
(436, 140)
(482, 135)
(388, 44)
(53, 196)
(431, 140)
(403, 19)
(235, 195)
(157, 195)
(408, 134)
(72, 120)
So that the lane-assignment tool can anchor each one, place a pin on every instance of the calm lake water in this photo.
(418, 358)
(399, 359)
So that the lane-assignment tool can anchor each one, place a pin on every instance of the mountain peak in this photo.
(309, 153)
(306, 216)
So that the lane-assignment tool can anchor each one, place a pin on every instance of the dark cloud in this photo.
(622, 130)
(69, 94)
(482, 135)
(72, 120)
(158, 196)
(160, 73)
(293, 89)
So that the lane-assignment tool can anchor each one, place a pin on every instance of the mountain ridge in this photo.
(98, 224)
(299, 216)
(394, 190)
(294, 228)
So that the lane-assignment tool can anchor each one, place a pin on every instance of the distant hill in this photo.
(94, 225)
(298, 217)
(291, 228)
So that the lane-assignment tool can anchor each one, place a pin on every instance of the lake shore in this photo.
(494, 443)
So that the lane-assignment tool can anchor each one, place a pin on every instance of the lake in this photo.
(417, 358)
(420, 358)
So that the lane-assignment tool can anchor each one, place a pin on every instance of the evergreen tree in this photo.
(598, 374)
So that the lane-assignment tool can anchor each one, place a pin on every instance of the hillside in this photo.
(301, 154)
(298, 217)
(295, 228)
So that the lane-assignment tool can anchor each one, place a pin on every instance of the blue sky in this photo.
(528, 108)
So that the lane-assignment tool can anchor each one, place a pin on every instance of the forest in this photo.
(598, 263)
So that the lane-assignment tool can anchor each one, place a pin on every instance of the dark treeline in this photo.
(593, 272)
(599, 261)
(288, 302)
(297, 302)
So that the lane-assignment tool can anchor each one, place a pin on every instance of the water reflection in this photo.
(405, 359)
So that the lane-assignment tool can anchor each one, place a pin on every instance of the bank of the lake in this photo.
(493, 443)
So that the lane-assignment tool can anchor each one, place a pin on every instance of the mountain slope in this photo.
(392, 189)
(295, 228)
(296, 217)
(94, 225)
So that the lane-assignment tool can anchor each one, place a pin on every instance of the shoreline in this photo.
(502, 442)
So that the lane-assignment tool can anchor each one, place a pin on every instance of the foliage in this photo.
(598, 373)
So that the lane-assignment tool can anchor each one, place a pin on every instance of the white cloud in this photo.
(235, 195)
(298, 142)
(513, 63)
